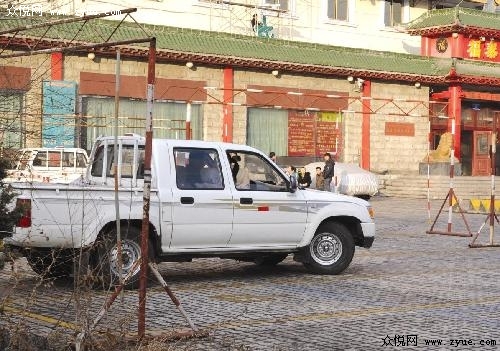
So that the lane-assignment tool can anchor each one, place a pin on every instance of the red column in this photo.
(424, 46)
(455, 111)
(365, 125)
(56, 66)
(227, 121)
(457, 45)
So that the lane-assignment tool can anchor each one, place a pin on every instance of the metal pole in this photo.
(493, 170)
(429, 174)
(77, 48)
(172, 296)
(115, 168)
(147, 190)
(188, 121)
(81, 336)
(452, 172)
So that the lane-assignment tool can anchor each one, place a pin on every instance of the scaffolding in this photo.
(252, 18)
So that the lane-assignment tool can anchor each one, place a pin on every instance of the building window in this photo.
(338, 10)
(267, 130)
(283, 5)
(393, 12)
(169, 119)
(11, 120)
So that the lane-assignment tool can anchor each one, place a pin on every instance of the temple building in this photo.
(469, 93)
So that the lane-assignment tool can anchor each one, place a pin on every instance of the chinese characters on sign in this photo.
(491, 51)
(313, 133)
(300, 134)
(474, 48)
(441, 45)
(399, 129)
(483, 49)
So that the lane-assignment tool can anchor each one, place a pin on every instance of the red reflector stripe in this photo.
(263, 208)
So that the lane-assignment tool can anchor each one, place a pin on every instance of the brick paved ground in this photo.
(409, 283)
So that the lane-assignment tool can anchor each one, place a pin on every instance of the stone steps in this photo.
(416, 186)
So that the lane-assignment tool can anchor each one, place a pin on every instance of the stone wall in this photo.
(398, 152)
(352, 138)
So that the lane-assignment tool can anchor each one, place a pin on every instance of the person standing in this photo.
(291, 171)
(320, 181)
(328, 171)
(304, 178)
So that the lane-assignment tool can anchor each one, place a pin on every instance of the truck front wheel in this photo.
(331, 250)
(106, 261)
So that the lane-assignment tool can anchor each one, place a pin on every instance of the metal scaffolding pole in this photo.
(141, 326)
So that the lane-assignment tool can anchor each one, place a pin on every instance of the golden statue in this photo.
(443, 151)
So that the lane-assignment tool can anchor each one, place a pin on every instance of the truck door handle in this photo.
(246, 201)
(187, 200)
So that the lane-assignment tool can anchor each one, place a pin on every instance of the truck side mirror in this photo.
(293, 184)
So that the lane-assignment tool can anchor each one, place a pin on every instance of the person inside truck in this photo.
(210, 174)
(202, 172)
(235, 166)
(243, 179)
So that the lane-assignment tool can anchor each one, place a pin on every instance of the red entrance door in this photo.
(481, 164)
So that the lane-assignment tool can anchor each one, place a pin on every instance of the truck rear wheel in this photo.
(331, 250)
(105, 263)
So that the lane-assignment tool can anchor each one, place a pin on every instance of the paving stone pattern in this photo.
(408, 284)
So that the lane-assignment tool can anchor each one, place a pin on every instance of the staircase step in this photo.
(437, 187)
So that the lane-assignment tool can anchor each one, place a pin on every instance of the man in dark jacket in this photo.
(328, 170)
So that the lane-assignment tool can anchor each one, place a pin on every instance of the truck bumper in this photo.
(368, 233)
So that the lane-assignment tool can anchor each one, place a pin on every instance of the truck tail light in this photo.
(24, 205)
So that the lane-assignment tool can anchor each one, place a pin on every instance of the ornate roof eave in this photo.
(261, 64)
(472, 80)
(172, 56)
(454, 28)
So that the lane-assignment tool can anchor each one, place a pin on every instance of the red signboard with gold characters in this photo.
(482, 49)
(313, 133)
(461, 46)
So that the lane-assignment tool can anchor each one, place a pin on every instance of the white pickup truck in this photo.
(208, 199)
(48, 165)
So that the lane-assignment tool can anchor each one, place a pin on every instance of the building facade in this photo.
(295, 98)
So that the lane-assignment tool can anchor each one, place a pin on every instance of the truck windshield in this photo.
(126, 163)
